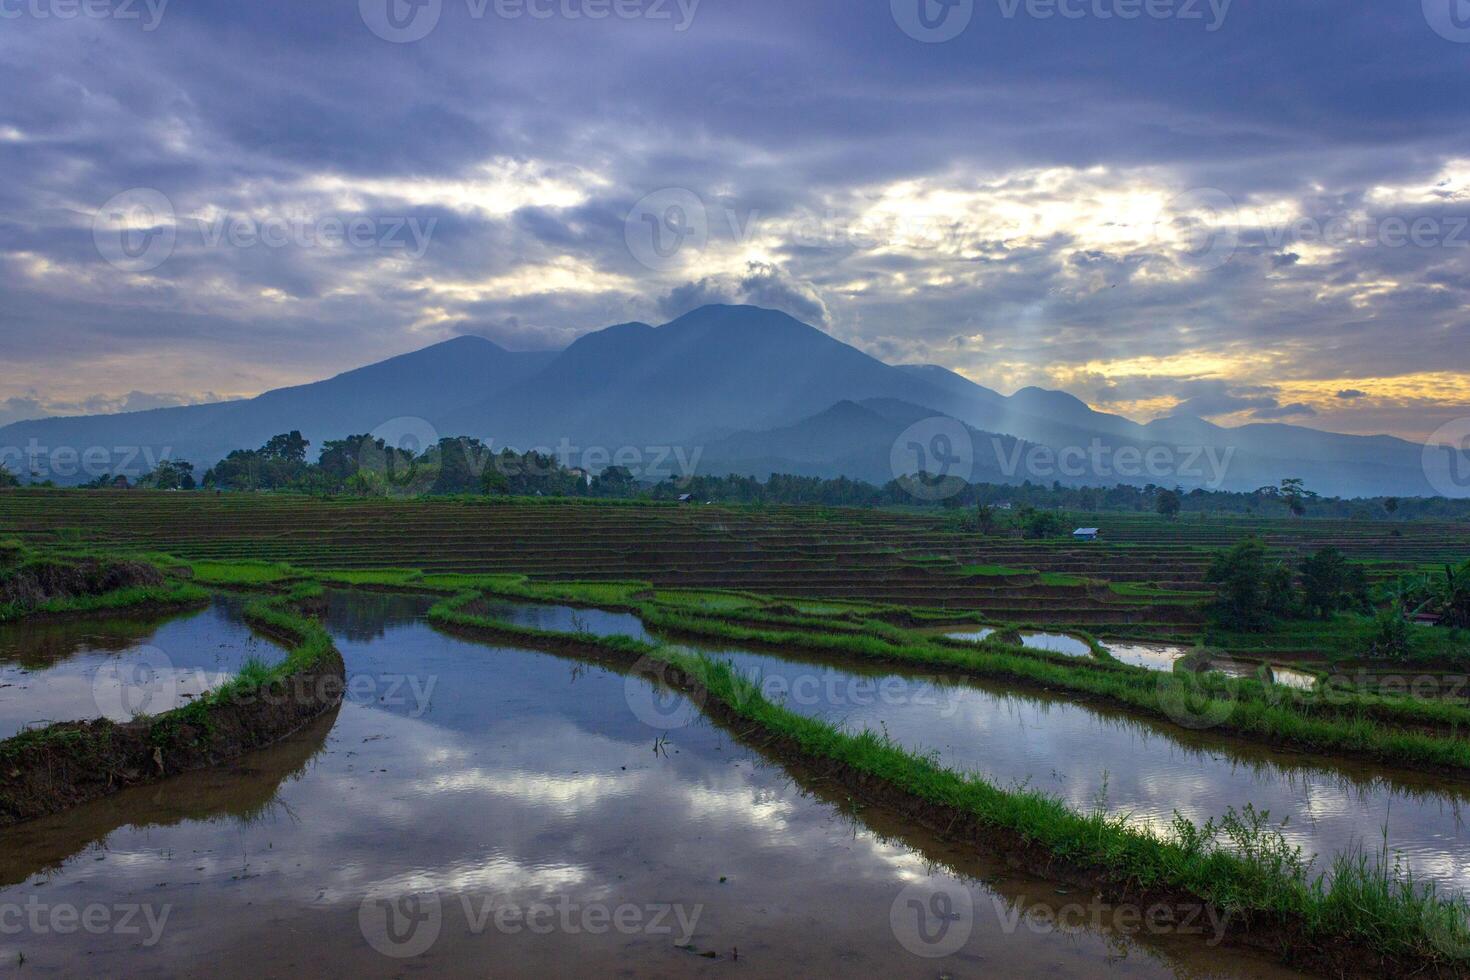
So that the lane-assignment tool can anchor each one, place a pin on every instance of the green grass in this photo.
(238, 573)
(168, 594)
(707, 601)
(308, 645)
(1346, 637)
(18, 559)
(397, 577)
(997, 571)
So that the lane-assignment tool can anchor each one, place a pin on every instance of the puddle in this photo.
(512, 814)
(1161, 657)
(1085, 755)
(1056, 643)
(1154, 656)
(972, 636)
(84, 669)
(1036, 640)
(564, 619)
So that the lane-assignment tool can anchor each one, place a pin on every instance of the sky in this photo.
(1244, 210)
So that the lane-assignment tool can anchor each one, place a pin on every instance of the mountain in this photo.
(427, 384)
(752, 390)
(851, 439)
(711, 372)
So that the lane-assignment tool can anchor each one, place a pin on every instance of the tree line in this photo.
(366, 465)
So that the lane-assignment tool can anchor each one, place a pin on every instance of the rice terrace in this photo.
(692, 488)
(873, 675)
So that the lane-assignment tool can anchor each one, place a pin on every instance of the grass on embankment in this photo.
(1401, 731)
(1240, 706)
(307, 644)
(1239, 865)
(51, 769)
(1405, 732)
(1425, 735)
(1348, 638)
(80, 583)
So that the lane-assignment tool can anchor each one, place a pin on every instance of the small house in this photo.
(686, 498)
(1086, 534)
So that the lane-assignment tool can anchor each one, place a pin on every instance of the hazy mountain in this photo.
(427, 384)
(713, 371)
(851, 439)
(755, 390)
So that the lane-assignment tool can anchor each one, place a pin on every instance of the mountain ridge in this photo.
(747, 383)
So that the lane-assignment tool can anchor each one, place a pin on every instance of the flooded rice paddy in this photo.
(1163, 656)
(1094, 757)
(490, 810)
(1072, 646)
(81, 669)
(1057, 643)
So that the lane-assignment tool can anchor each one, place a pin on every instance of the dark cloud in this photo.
(762, 285)
(1294, 410)
(1351, 394)
(1209, 398)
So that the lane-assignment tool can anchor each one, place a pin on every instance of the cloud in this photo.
(761, 285)
(692, 295)
(34, 406)
(1055, 223)
(21, 410)
(1209, 398)
(1295, 409)
(1351, 394)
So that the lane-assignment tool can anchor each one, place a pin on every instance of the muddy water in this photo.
(510, 813)
(83, 669)
(1089, 756)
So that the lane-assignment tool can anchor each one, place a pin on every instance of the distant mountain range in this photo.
(739, 389)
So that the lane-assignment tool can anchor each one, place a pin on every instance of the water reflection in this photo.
(1087, 755)
(83, 669)
(528, 780)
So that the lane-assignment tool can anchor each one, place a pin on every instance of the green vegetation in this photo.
(241, 573)
(1444, 597)
(34, 584)
(1253, 590)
